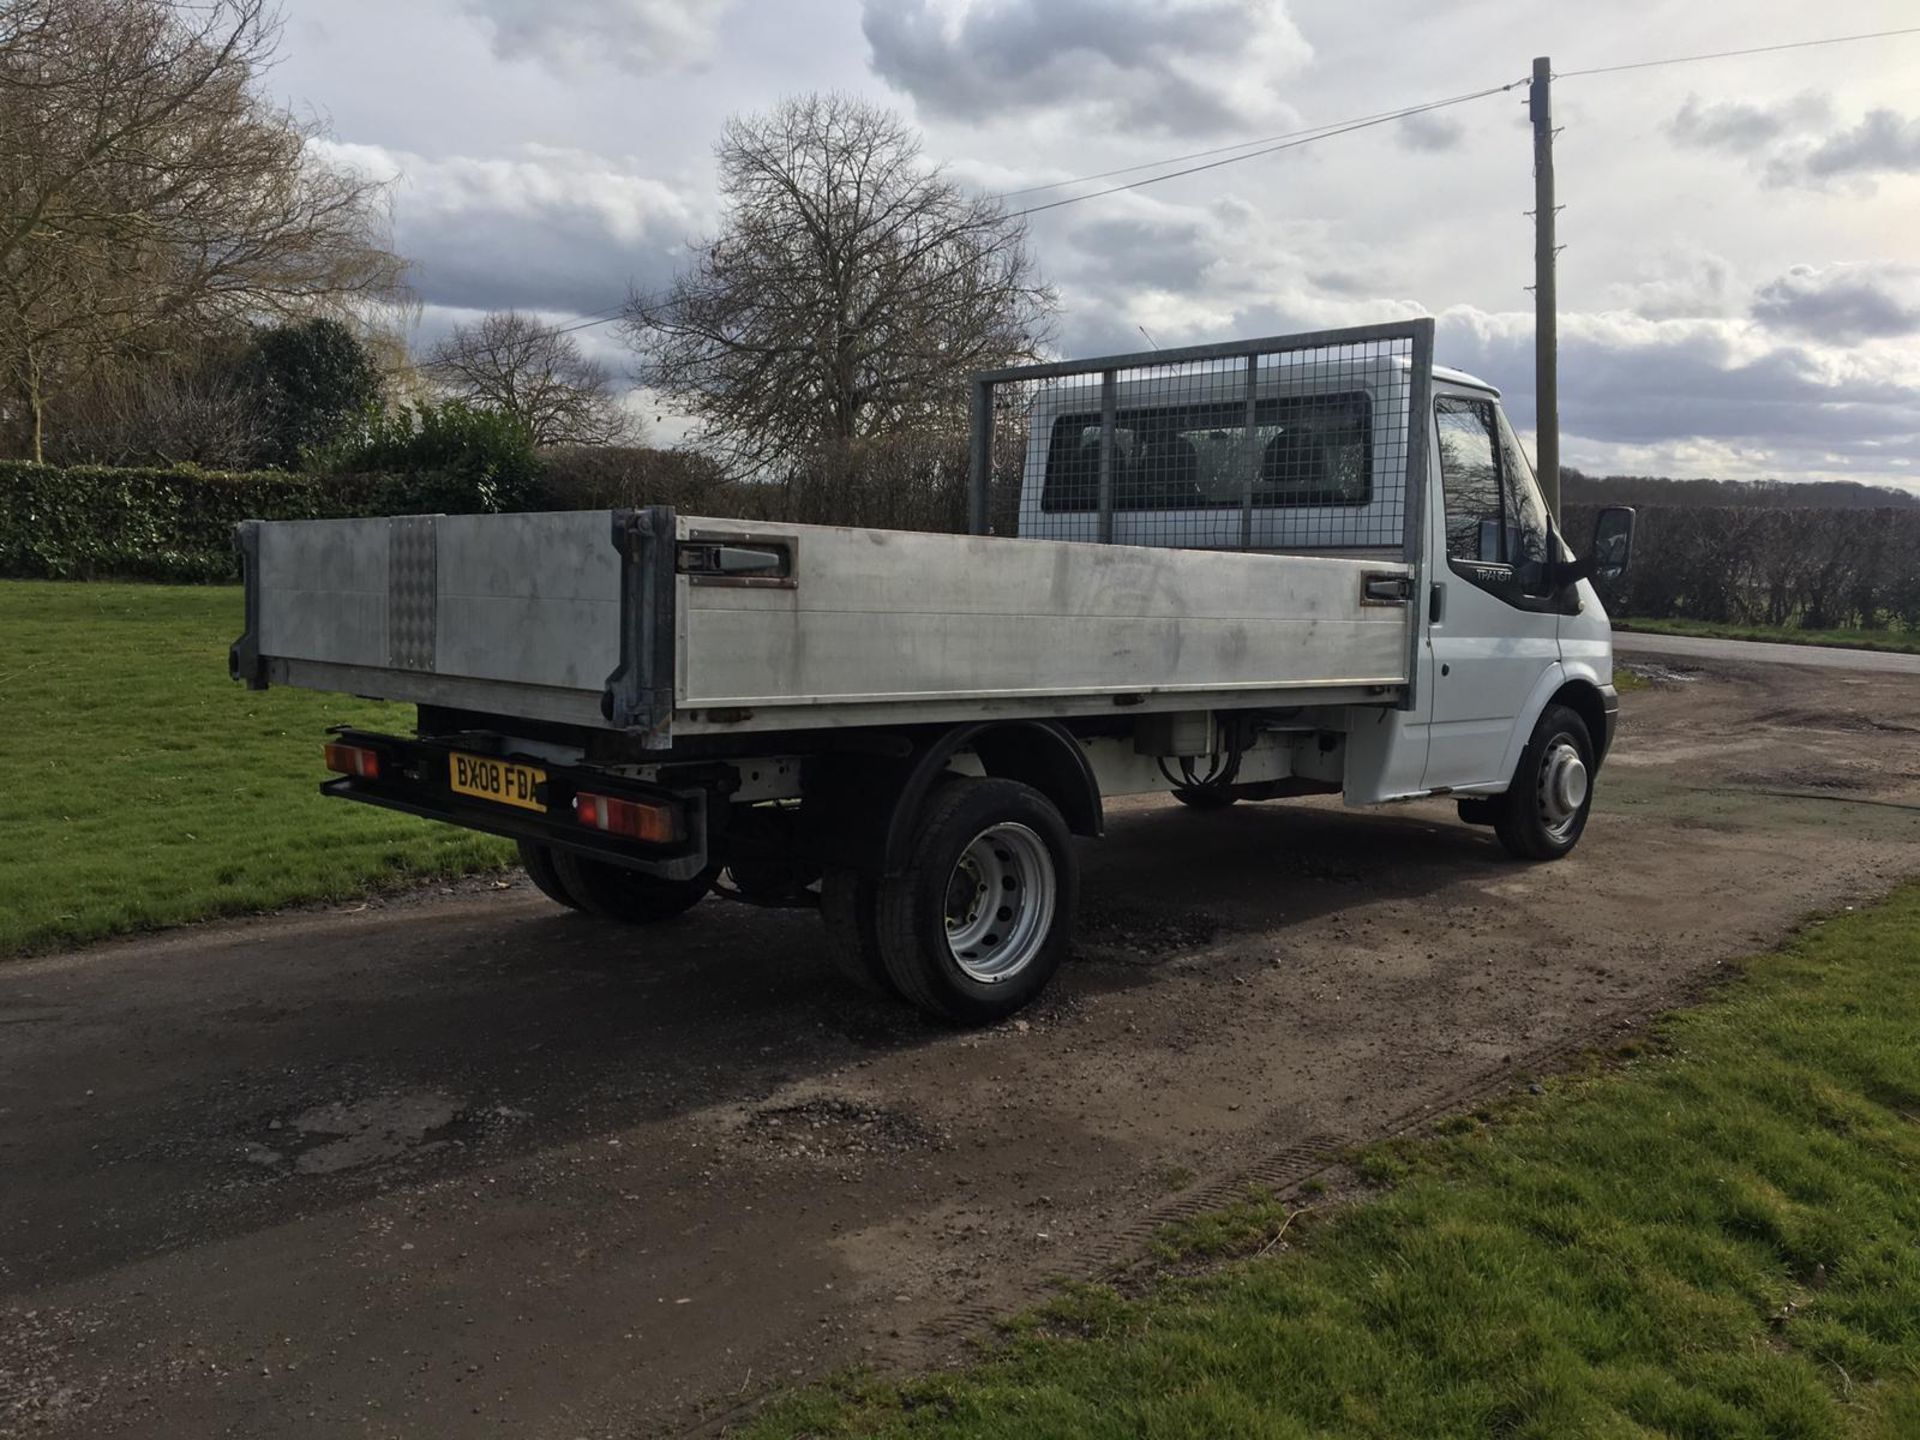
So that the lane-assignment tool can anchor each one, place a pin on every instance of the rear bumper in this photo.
(414, 779)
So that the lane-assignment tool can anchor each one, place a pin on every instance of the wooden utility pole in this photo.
(1546, 317)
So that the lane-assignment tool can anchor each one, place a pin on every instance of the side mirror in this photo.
(1612, 542)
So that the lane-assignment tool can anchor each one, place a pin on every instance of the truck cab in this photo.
(1311, 459)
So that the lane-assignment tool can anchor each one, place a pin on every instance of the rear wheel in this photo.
(848, 903)
(537, 861)
(1544, 812)
(614, 892)
(981, 918)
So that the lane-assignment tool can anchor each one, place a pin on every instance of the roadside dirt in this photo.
(469, 1165)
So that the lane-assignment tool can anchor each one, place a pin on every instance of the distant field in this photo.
(1851, 638)
(143, 787)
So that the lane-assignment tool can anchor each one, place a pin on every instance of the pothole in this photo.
(1658, 674)
(1804, 778)
(348, 1134)
(1142, 937)
(830, 1128)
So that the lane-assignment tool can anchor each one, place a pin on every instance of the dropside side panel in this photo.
(891, 616)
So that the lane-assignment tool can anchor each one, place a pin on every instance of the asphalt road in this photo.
(1763, 652)
(464, 1164)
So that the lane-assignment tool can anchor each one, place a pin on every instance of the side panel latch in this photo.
(1385, 589)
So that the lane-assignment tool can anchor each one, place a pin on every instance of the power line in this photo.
(1730, 54)
(1311, 130)
(1324, 133)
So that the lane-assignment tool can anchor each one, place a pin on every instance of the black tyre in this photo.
(614, 892)
(982, 917)
(537, 861)
(1205, 797)
(848, 904)
(1544, 812)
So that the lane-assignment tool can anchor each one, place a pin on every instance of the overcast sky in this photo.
(1740, 288)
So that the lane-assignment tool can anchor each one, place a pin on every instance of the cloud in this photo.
(1429, 133)
(1842, 304)
(1141, 253)
(1796, 143)
(1185, 67)
(1659, 387)
(545, 229)
(636, 35)
(1885, 142)
(1682, 284)
(1745, 129)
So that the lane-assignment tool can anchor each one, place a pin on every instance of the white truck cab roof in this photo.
(1460, 377)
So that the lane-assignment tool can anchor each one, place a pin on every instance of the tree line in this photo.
(1816, 568)
(1577, 488)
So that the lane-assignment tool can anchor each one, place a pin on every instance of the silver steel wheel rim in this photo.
(1563, 787)
(1000, 901)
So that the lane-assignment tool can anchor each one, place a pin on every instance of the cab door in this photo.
(1491, 632)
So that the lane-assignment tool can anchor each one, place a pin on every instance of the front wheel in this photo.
(614, 892)
(1544, 812)
(982, 916)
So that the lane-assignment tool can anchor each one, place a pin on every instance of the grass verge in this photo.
(1717, 1236)
(145, 788)
(1893, 638)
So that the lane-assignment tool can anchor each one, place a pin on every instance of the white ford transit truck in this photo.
(1307, 564)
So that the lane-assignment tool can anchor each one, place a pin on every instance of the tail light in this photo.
(354, 760)
(654, 821)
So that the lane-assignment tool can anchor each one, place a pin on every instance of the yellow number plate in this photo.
(498, 780)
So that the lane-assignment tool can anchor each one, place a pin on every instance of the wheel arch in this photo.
(1583, 697)
(1579, 691)
(1040, 753)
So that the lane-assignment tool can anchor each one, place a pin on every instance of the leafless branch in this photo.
(850, 294)
(511, 363)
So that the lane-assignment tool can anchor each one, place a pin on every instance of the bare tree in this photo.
(195, 410)
(851, 292)
(151, 196)
(511, 363)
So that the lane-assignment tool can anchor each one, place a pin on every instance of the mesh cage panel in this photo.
(1308, 442)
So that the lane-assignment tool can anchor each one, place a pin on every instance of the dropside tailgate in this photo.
(519, 614)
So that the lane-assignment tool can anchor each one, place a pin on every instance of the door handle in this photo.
(1436, 604)
(1385, 590)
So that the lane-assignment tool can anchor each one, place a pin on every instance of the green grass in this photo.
(1894, 637)
(145, 788)
(1717, 1234)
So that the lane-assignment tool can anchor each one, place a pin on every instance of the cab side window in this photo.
(1470, 479)
(1526, 508)
(1494, 514)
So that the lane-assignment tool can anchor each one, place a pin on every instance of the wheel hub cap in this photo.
(1563, 785)
(1000, 902)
